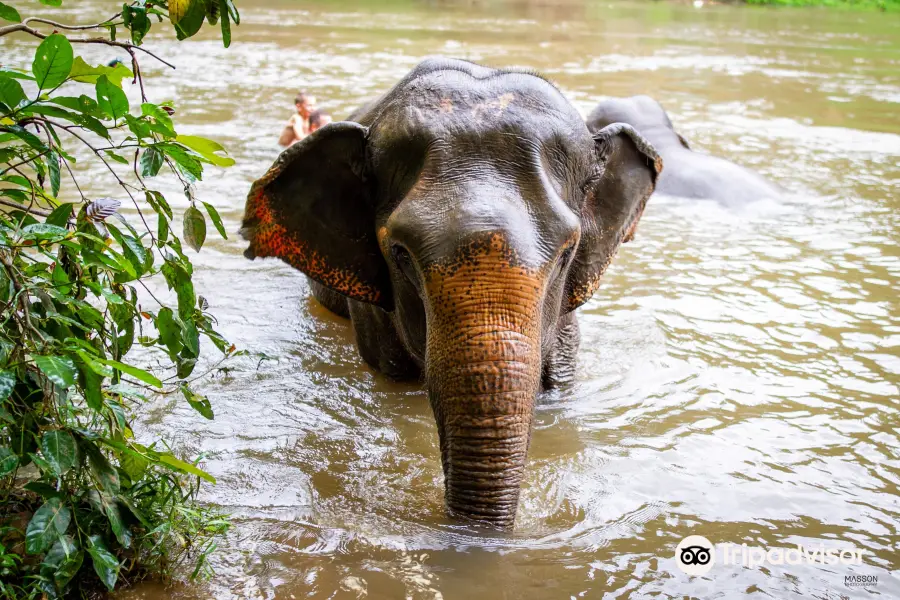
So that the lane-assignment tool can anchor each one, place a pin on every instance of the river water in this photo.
(739, 371)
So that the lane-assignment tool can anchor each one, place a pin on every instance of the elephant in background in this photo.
(459, 220)
(688, 174)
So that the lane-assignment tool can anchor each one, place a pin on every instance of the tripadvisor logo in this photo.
(695, 555)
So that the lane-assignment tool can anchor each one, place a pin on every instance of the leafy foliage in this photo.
(82, 500)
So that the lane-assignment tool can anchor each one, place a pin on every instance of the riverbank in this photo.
(866, 5)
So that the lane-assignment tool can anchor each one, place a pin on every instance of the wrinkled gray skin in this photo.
(459, 220)
(688, 174)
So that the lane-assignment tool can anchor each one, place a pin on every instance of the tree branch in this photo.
(23, 26)
(34, 211)
(72, 27)
(24, 162)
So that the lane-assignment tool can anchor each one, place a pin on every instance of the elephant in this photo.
(688, 174)
(459, 220)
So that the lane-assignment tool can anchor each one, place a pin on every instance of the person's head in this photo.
(317, 119)
(305, 104)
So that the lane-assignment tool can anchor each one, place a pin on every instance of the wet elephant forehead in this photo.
(461, 110)
(450, 101)
(475, 109)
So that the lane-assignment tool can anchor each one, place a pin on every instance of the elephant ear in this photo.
(314, 210)
(628, 167)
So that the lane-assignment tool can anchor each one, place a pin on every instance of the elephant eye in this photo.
(565, 257)
(563, 261)
(404, 261)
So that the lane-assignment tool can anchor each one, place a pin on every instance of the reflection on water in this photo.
(738, 373)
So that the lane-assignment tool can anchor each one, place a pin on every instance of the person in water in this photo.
(297, 127)
(318, 119)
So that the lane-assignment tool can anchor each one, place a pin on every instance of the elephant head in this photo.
(474, 209)
(643, 113)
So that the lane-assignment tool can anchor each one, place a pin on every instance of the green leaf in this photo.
(105, 564)
(187, 16)
(94, 365)
(8, 461)
(191, 339)
(111, 99)
(44, 231)
(92, 124)
(216, 219)
(134, 251)
(133, 371)
(8, 13)
(116, 157)
(58, 369)
(135, 18)
(200, 403)
(27, 137)
(83, 72)
(62, 562)
(185, 160)
(179, 465)
(42, 464)
(162, 122)
(120, 530)
(134, 465)
(49, 522)
(123, 264)
(93, 390)
(52, 61)
(162, 229)
(59, 450)
(86, 121)
(111, 296)
(7, 383)
(212, 12)
(51, 2)
(178, 278)
(139, 127)
(158, 201)
(106, 477)
(178, 9)
(233, 11)
(151, 160)
(194, 228)
(11, 92)
(169, 331)
(226, 25)
(135, 511)
(184, 366)
(206, 148)
(60, 215)
(15, 74)
(82, 104)
(53, 166)
(43, 490)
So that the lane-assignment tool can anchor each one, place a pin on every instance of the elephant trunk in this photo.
(483, 368)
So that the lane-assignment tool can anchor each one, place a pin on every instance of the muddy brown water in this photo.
(739, 369)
